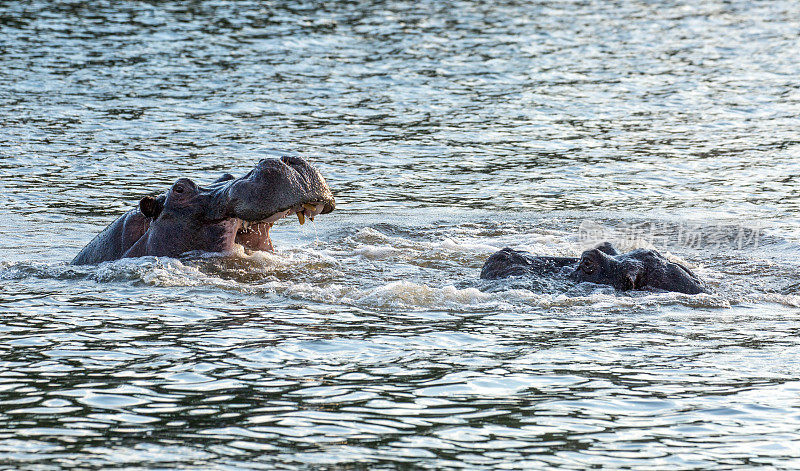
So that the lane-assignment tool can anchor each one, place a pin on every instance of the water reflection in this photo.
(447, 130)
(480, 388)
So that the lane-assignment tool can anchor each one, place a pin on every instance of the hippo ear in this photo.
(150, 207)
(607, 248)
(225, 177)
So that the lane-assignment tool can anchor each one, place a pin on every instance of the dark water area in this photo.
(446, 130)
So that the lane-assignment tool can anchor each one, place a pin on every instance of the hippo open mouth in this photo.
(215, 218)
(255, 235)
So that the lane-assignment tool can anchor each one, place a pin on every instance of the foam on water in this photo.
(446, 130)
(371, 269)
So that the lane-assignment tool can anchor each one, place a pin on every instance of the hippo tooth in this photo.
(301, 218)
(310, 210)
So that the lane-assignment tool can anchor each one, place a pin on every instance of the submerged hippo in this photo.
(214, 218)
(638, 269)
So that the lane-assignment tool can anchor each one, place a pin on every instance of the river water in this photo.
(447, 130)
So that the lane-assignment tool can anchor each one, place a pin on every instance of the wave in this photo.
(395, 269)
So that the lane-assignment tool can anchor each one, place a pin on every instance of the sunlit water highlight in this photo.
(447, 130)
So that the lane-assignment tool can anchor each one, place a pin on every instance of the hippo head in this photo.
(600, 266)
(638, 269)
(229, 211)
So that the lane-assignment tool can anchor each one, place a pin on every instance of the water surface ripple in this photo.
(447, 130)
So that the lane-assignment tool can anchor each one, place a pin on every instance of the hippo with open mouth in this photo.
(214, 218)
(635, 270)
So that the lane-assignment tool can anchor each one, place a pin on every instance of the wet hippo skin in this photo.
(634, 270)
(214, 218)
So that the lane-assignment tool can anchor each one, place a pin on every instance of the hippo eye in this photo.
(178, 189)
(588, 267)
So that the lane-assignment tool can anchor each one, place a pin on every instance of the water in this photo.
(446, 130)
